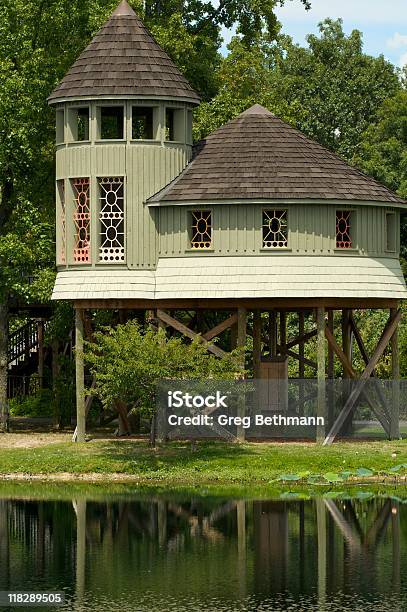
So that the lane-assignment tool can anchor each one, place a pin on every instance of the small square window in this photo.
(111, 122)
(343, 229)
(391, 232)
(201, 229)
(83, 124)
(275, 229)
(169, 124)
(174, 124)
(142, 128)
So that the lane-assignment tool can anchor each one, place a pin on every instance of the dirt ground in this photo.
(32, 440)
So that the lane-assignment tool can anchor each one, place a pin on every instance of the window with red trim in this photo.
(343, 229)
(81, 189)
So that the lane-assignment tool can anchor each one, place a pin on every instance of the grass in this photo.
(210, 463)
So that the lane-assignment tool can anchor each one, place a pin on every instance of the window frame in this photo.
(179, 124)
(190, 213)
(99, 108)
(99, 261)
(390, 214)
(154, 126)
(269, 249)
(352, 227)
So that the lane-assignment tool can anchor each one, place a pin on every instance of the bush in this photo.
(38, 405)
(127, 362)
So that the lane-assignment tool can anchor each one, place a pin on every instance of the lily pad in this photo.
(364, 472)
(397, 468)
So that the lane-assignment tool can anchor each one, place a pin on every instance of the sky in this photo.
(383, 23)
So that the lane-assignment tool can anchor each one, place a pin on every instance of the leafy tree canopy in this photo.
(330, 90)
(127, 362)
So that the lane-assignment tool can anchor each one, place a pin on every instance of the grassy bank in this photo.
(209, 463)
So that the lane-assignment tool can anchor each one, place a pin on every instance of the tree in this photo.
(128, 362)
(382, 152)
(331, 91)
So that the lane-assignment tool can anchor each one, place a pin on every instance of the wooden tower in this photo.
(261, 220)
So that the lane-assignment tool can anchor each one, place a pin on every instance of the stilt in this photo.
(241, 342)
(331, 355)
(80, 377)
(321, 371)
(272, 334)
(347, 349)
(301, 364)
(40, 335)
(256, 344)
(283, 333)
(395, 374)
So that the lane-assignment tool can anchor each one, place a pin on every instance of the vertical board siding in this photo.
(237, 229)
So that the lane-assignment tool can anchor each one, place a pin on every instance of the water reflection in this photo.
(172, 553)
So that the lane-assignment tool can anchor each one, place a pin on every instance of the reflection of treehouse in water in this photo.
(361, 541)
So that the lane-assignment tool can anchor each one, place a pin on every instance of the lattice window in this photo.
(201, 229)
(81, 187)
(111, 219)
(343, 229)
(62, 208)
(275, 230)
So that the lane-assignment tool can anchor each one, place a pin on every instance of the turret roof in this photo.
(258, 156)
(123, 59)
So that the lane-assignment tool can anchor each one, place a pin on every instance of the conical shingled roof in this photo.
(124, 59)
(258, 156)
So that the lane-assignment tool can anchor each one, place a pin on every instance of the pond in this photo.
(152, 552)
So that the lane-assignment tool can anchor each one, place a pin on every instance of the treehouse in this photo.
(255, 219)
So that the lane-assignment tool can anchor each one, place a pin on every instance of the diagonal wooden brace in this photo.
(166, 318)
(352, 374)
(221, 327)
(388, 332)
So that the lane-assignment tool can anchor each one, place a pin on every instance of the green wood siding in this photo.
(311, 230)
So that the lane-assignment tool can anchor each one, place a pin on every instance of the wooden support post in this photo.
(256, 343)
(80, 377)
(321, 371)
(331, 355)
(283, 332)
(301, 364)
(347, 349)
(55, 374)
(40, 337)
(272, 334)
(241, 342)
(395, 374)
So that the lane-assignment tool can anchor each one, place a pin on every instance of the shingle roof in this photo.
(258, 156)
(124, 59)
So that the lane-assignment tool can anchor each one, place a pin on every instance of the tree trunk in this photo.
(3, 367)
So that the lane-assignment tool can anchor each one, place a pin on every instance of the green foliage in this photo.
(382, 152)
(39, 404)
(331, 90)
(127, 363)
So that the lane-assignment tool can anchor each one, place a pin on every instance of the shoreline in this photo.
(101, 478)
